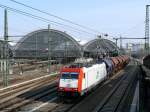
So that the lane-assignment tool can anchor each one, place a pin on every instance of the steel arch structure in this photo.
(100, 46)
(35, 44)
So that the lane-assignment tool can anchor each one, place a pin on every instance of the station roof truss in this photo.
(100, 45)
(54, 43)
(39, 43)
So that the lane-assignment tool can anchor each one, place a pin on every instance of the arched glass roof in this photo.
(37, 43)
(100, 45)
(44, 42)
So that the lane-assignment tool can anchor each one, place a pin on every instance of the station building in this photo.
(56, 44)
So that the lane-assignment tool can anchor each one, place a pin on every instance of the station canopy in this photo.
(101, 46)
(43, 43)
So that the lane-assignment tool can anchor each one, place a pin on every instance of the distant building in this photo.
(134, 46)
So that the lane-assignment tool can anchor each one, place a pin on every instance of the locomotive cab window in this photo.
(70, 75)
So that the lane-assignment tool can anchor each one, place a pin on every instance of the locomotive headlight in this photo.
(76, 89)
(61, 88)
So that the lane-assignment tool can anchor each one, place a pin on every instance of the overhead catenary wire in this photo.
(60, 18)
(44, 12)
(42, 19)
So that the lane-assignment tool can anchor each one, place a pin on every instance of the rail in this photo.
(113, 100)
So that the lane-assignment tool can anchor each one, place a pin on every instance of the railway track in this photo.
(112, 102)
(67, 107)
(23, 84)
(45, 99)
(52, 104)
(110, 96)
(16, 96)
(55, 106)
(22, 100)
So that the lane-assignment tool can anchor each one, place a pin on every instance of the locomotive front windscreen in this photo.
(69, 75)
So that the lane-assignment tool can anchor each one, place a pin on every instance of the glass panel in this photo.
(69, 75)
(74, 75)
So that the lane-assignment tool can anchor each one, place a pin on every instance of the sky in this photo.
(115, 17)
